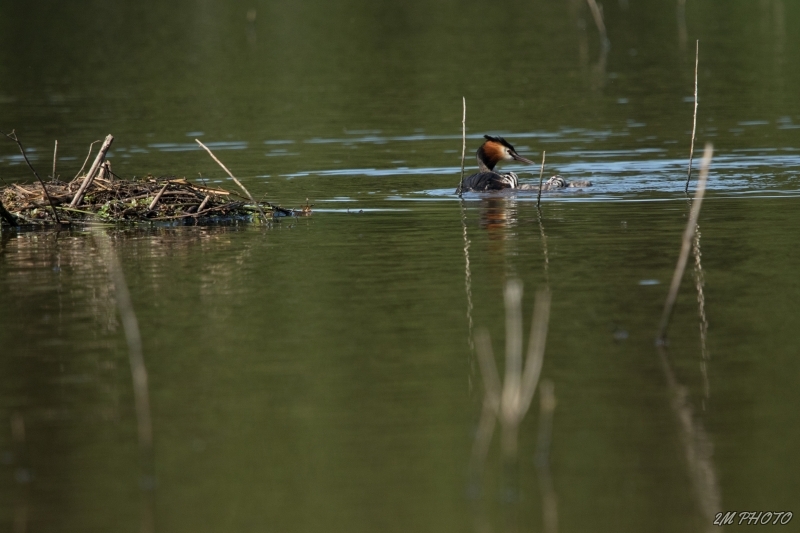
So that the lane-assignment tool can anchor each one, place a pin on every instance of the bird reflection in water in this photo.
(498, 214)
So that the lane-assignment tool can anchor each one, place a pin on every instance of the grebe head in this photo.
(497, 149)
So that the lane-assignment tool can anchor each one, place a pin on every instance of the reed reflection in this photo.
(697, 446)
(597, 72)
(508, 401)
(62, 348)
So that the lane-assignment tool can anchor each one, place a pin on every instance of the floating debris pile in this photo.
(139, 200)
(101, 196)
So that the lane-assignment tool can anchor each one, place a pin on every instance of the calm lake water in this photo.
(319, 375)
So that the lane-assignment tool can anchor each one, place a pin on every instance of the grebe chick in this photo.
(496, 149)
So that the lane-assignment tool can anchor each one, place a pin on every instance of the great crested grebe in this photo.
(496, 149)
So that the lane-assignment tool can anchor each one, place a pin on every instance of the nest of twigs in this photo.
(101, 196)
(138, 200)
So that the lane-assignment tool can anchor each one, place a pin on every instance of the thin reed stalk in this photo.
(88, 155)
(463, 141)
(13, 137)
(55, 154)
(694, 119)
(691, 228)
(239, 183)
(541, 177)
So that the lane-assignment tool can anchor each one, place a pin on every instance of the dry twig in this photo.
(101, 155)
(13, 137)
(239, 183)
(694, 120)
(463, 141)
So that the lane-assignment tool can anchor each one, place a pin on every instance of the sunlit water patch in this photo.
(616, 174)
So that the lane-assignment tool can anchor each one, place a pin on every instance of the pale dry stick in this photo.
(86, 160)
(239, 183)
(101, 155)
(547, 403)
(203, 203)
(694, 120)
(102, 172)
(13, 137)
(55, 152)
(691, 227)
(463, 141)
(541, 177)
(158, 197)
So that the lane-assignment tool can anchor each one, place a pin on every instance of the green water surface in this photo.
(318, 374)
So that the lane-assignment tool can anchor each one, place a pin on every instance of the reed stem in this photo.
(55, 153)
(463, 141)
(694, 120)
(541, 177)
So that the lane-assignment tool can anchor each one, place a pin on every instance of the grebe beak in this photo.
(518, 157)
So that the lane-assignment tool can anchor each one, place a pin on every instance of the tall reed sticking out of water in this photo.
(55, 154)
(463, 141)
(541, 177)
(686, 245)
(694, 120)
